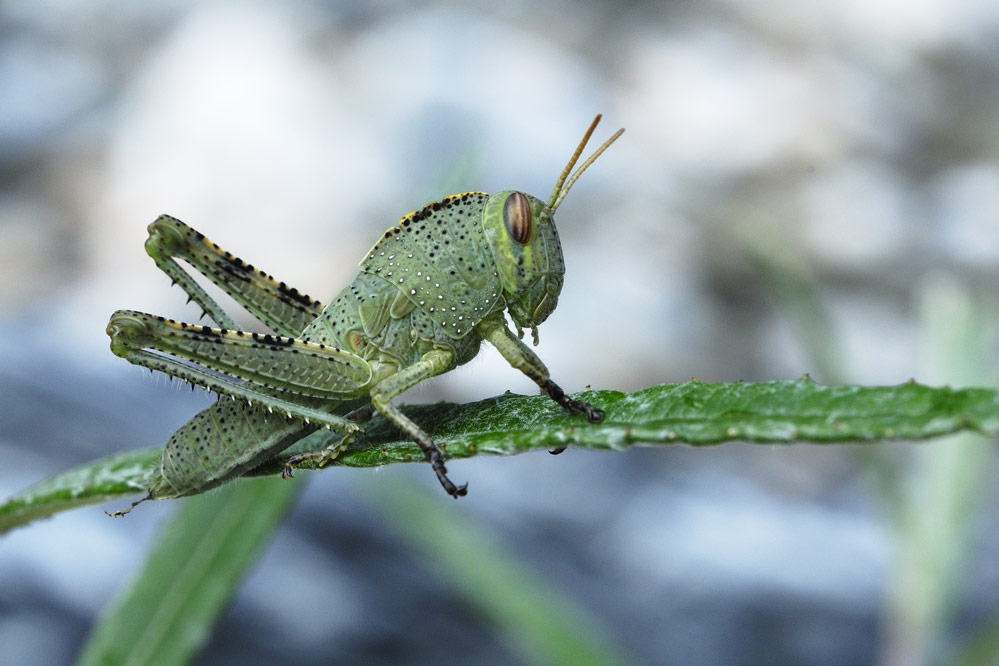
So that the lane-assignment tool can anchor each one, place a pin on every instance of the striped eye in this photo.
(517, 217)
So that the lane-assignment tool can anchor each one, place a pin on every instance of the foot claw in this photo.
(593, 415)
(437, 464)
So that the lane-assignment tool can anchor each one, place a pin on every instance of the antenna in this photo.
(565, 182)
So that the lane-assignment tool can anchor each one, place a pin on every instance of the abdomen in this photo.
(219, 443)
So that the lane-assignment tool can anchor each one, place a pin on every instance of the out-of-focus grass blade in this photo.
(169, 613)
(793, 284)
(536, 620)
(945, 486)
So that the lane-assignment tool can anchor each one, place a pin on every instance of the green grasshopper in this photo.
(427, 294)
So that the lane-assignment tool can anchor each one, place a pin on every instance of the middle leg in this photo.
(433, 363)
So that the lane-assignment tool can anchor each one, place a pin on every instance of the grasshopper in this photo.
(427, 294)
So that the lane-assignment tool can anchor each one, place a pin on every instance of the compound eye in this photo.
(517, 217)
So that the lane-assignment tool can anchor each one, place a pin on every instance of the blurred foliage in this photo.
(932, 496)
(166, 616)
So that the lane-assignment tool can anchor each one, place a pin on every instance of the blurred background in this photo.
(802, 187)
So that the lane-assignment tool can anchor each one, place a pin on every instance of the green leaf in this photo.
(692, 413)
(169, 613)
(114, 477)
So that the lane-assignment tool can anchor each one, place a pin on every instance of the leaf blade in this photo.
(693, 413)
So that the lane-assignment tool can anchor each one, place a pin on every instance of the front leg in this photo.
(522, 358)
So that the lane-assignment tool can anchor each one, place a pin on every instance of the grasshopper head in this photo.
(528, 255)
(521, 233)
